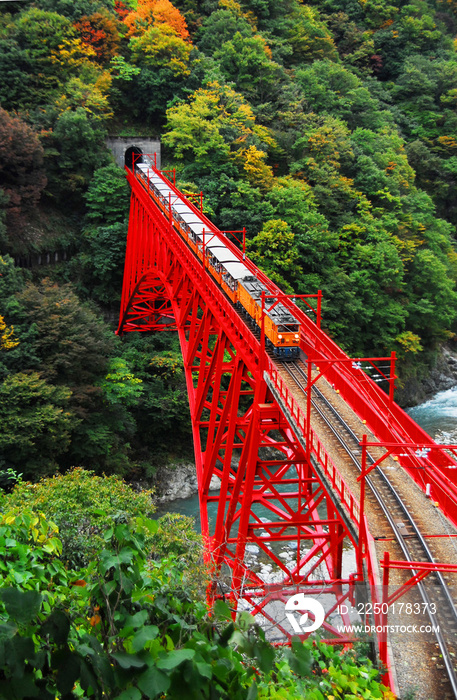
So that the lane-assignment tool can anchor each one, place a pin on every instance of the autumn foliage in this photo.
(155, 13)
(100, 32)
(22, 176)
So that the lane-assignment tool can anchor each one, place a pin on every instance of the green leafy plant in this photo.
(83, 506)
(127, 627)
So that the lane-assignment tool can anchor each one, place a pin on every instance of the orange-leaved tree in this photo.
(100, 32)
(155, 13)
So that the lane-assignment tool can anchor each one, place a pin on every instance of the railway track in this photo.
(433, 590)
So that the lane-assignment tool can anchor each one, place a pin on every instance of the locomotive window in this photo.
(288, 329)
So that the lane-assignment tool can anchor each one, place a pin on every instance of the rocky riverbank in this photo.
(176, 482)
(442, 376)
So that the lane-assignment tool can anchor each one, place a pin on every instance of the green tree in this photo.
(241, 203)
(11, 278)
(75, 9)
(323, 154)
(69, 345)
(128, 627)
(246, 61)
(70, 342)
(100, 264)
(354, 43)
(161, 46)
(76, 148)
(293, 201)
(331, 88)
(221, 25)
(412, 31)
(432, 305)
(90, 90)
(375, 314)
(162, 411)
(215, 123)
(17, 75)
(107, 197)
(53, 48)
(303, 29)
(36, 423)
(274, 251)
(120, 386)
(380, 167)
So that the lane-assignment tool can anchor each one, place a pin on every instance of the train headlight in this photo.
(280, 337)
(296, 336)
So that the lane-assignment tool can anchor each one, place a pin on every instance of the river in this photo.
(438, 416)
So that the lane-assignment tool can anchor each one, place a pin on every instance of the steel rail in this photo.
(446, 655)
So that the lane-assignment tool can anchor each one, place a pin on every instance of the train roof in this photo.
(181, 207)
(200, 230)
(213, 240)
(222, 253)
(160, 184)
(232, 265)
(282, 315)
(190, 217)
(255, 288)
(237, 270)
(279, 313)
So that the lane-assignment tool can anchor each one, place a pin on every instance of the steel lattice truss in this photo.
(269, 494)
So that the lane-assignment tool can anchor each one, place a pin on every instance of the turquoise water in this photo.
(188, 506)
(438, 415)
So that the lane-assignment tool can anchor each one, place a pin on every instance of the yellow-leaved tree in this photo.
(7, 339)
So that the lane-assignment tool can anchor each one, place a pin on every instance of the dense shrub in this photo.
(83, 506)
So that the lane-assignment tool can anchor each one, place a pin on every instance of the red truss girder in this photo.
(269, 494)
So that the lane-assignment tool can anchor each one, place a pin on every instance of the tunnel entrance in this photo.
(131, 155)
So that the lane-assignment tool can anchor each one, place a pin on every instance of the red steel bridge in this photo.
(252, 429)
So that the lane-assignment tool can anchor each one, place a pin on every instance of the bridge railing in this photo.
(384, 418)
(317, 449)
(366, 550)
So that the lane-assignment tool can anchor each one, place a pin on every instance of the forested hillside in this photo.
(328, 129)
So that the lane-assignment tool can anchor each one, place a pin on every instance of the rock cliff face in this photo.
(442, 376)
(172, 483)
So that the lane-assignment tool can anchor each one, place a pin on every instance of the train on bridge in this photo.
(271, 430)
(282, 329)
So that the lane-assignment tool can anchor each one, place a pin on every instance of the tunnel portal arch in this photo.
(123, 147)
(131, 155)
